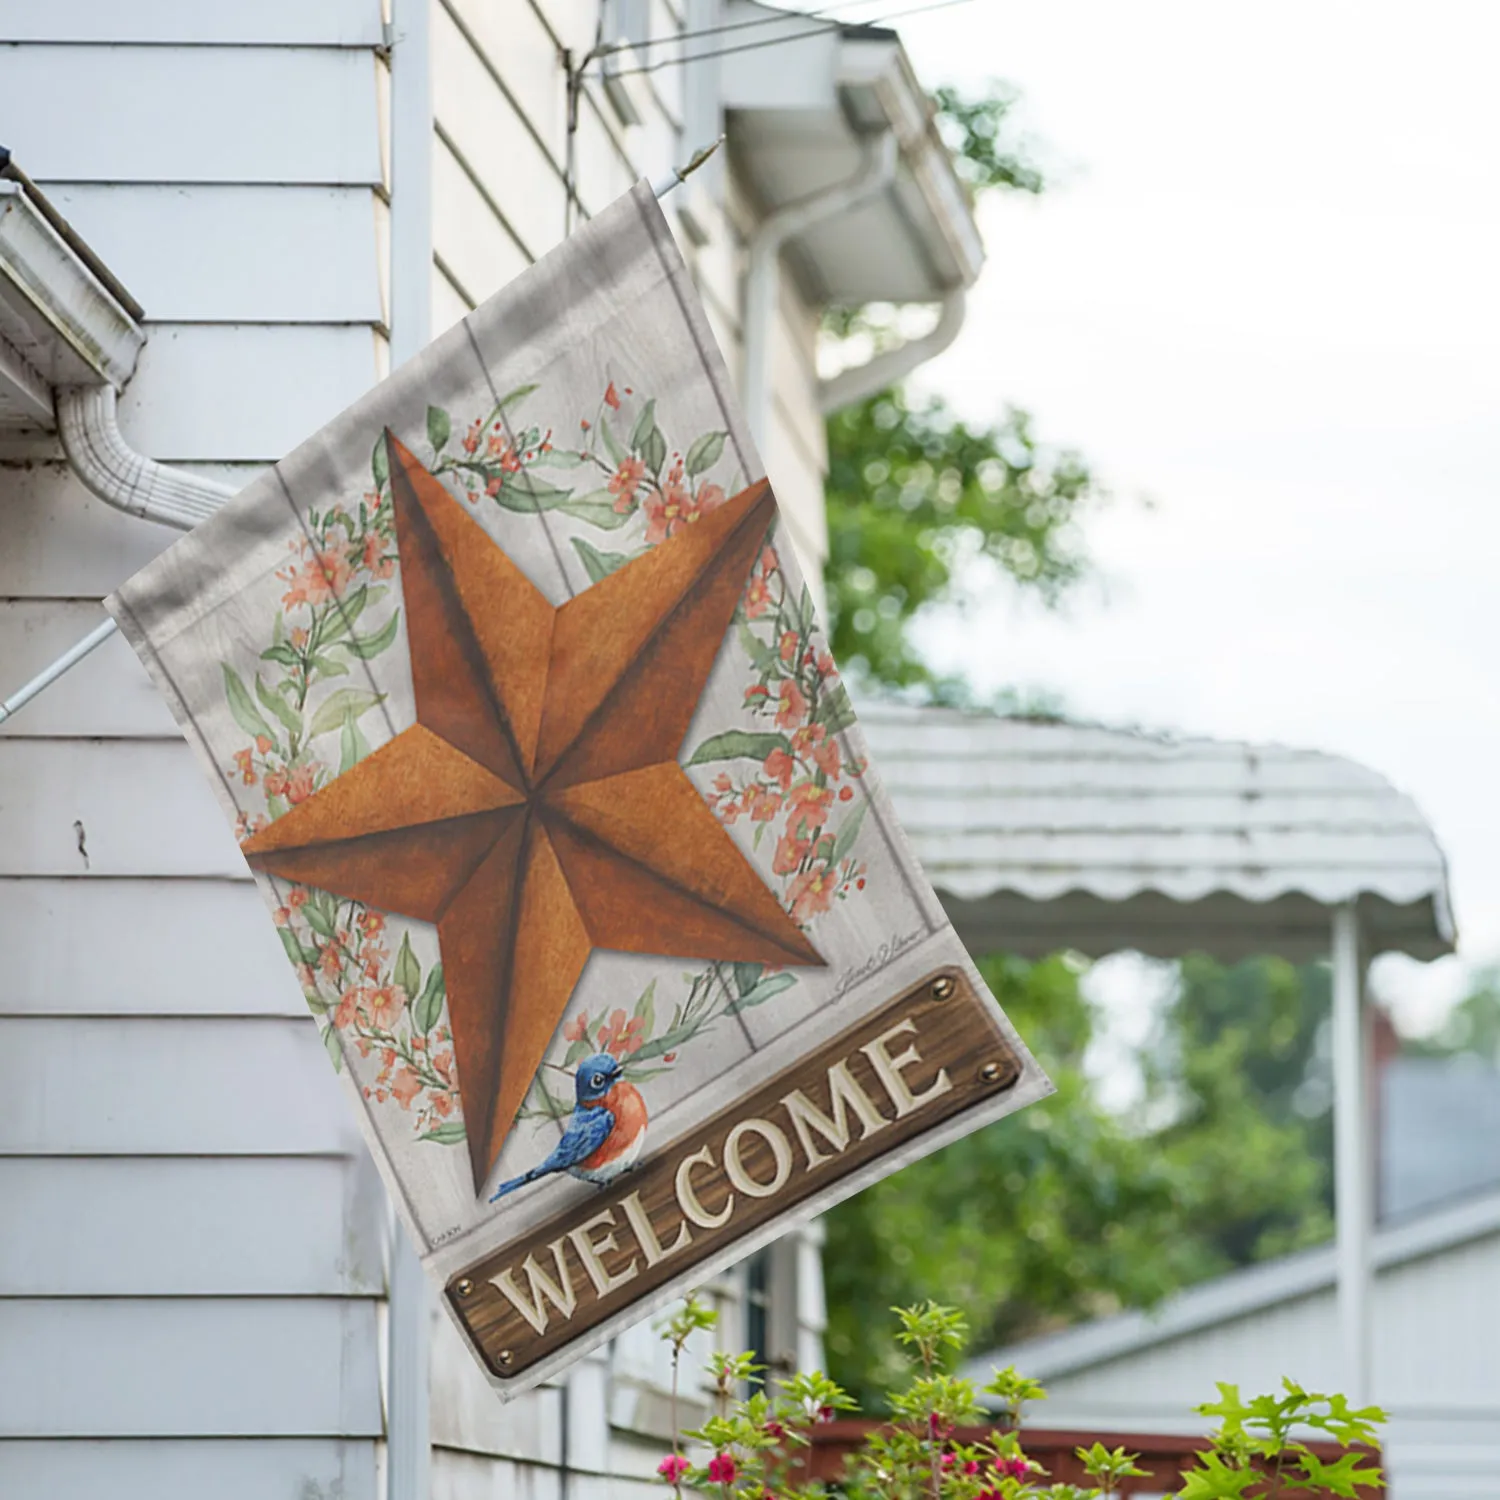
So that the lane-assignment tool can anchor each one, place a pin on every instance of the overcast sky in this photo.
(1263, 292)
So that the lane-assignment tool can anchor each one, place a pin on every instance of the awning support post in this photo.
(1353, 1160)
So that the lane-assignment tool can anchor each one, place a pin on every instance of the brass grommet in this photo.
(463, 1287)
(505, 1358)
(943, 987)
(992, 1072)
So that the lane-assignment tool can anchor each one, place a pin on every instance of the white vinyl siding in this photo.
(192, 1270)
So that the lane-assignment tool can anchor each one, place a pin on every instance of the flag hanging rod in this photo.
(102, 632)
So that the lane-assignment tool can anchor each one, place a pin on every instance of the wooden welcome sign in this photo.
(516, 701)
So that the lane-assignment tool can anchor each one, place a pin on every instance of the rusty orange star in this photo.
(536, 810)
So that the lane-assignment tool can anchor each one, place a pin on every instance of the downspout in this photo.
(410, 1308)
(862, 381)
(763, 276)
(110, 468)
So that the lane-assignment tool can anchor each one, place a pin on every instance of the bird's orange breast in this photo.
(629, 1109)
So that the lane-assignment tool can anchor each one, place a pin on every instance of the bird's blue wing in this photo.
(587, 1131)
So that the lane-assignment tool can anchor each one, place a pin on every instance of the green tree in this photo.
(1067, 1211)
(916, 497)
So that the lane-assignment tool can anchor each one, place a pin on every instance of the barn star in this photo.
(536, 809)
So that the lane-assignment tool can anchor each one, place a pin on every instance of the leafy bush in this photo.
(752, 1447)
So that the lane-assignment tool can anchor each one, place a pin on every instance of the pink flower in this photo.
(824, 1414)
(780, 767)
(673, 1467)
(757, 596)
(624, 482)
(787, 649)
(828, 760)
(472, 436)
(762, 803)
(722, 1469)
(710, 498)
(348, 1005)
(811, 893)
(669, 509)
(791, 849)
(793, 706)
(577, 1028)
(385, 1006)
(612, 398)
(242, 763)
(406, 1087)
(300, 785)
(810, 805)
(621, 1037)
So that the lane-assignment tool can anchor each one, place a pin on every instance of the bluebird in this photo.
(605, 1132)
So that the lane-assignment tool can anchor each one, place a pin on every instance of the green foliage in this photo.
(937, 1444)
(1255, 1438)
(1066, 1210)
(986, 154)
(1471, 1028)
(916, 497)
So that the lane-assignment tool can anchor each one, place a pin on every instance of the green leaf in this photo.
(765, 661)
(835, 712)
(331, 1046)
(598, 509)
(345, 703)
(668, 1041)
(746, 977)
(449, 1133)
(380, 463)
(515, 397)
(439, 428)
(738, 744)
(645, 1008)
(328, 666)
(704, 454)
(242, 706)
(294, 948)
(599, 564)
(645, 425)
(278, 705)
(849, 831)
(338, 621)
(528, 495)
(654, 450)
(283, 654)
(429, 1006)
(317, 919)
(366, 646)
(561, 458)
(408, 972)
(769, 987)
(353, 746)
(617, 454)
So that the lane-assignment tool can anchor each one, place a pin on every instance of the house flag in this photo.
(512, 690)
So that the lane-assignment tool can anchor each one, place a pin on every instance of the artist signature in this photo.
(876, 961)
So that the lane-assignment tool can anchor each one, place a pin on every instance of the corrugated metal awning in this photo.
(1044, 835)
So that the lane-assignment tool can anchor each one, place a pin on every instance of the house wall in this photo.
(1436, 1326)
(192, 1264)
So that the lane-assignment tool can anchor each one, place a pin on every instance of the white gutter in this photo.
(862, 381)
(763, 276)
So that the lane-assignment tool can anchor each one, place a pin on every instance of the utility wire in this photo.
(778, 41)
(728, 26)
